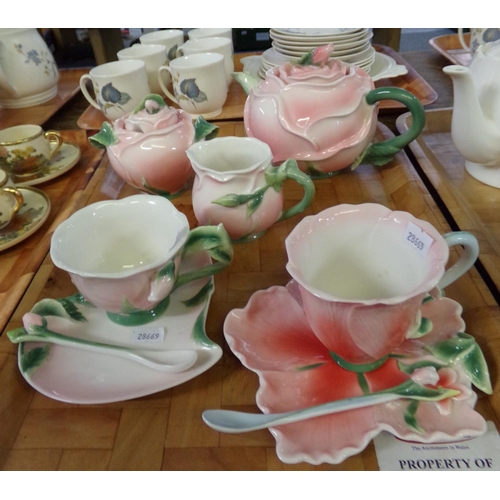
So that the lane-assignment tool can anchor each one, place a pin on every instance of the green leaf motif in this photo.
(424, 328)
(255, 202)
(150, 97)
(198, 334)
(201, 296)
(72, 311)
(50, 307)
(411, 418)
(376, 154)
(306, 59)
(464, 349)
(229, 200)
(29, 361)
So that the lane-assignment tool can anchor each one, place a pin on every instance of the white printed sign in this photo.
(481, 453)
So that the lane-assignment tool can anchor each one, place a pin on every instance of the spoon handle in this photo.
(235, 421)
(166, 361)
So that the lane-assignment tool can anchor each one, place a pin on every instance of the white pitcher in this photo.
(28, 72)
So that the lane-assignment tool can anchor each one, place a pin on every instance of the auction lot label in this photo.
(481, 453)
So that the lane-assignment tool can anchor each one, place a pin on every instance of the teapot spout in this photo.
(246, 80)
(476, 136)
(104, 138)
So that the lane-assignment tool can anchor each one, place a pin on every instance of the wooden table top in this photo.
(164, 431)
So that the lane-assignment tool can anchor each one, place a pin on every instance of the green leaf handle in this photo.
(216, 242)
(383, 152)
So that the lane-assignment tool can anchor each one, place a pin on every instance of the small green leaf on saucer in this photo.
(31, 360)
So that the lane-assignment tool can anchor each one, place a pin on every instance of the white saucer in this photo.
(65, 159)
(31, 216)
(77, 376)
(383, 66)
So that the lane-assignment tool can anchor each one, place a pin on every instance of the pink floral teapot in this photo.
(322, 112)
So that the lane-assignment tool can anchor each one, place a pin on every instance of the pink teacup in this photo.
(363, 271)
(124, 255)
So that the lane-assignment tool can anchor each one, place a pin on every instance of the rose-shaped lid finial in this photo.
(317, 57)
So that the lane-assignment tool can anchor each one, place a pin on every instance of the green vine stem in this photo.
(275, 177)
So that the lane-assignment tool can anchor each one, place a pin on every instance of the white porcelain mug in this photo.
(236, 185)
(124, 255)
(197, 33)
(27, 149)
(219, 45)
(11, 200)
(199, 83)
(478, 36)
(171, 39)
(154, 56)
(119, 87)
(363, 272)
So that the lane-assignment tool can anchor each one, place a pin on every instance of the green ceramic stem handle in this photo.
(293, 172)
(216, 242)
(383, 152)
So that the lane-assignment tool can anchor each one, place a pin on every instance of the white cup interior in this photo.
(196, 60)
(206, 44)
(19, 133)
(117, 68)
(209, 32)
(161, 36)
(351, 257)
(229, 154)
(139, 50)
(119, 237)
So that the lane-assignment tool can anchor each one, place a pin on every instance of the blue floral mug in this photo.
(119, 87)
(199, 83)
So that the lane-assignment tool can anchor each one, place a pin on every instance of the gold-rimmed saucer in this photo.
(65, 159)
(31, 216)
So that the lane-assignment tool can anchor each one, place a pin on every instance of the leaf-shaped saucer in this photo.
(74, 375)
(297, 371)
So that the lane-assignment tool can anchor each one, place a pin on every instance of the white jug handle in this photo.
(462, 40)
(161, 69)
(85, 91)
(466, 260)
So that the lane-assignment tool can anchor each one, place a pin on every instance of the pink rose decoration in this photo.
(151, 150)
(317, 115)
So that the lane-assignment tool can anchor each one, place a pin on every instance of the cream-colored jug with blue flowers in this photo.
(28, 72)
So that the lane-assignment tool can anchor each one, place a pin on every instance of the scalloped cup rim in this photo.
(180, 234)
(435, 271)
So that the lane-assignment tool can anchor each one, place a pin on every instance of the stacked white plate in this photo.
(351, 45)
